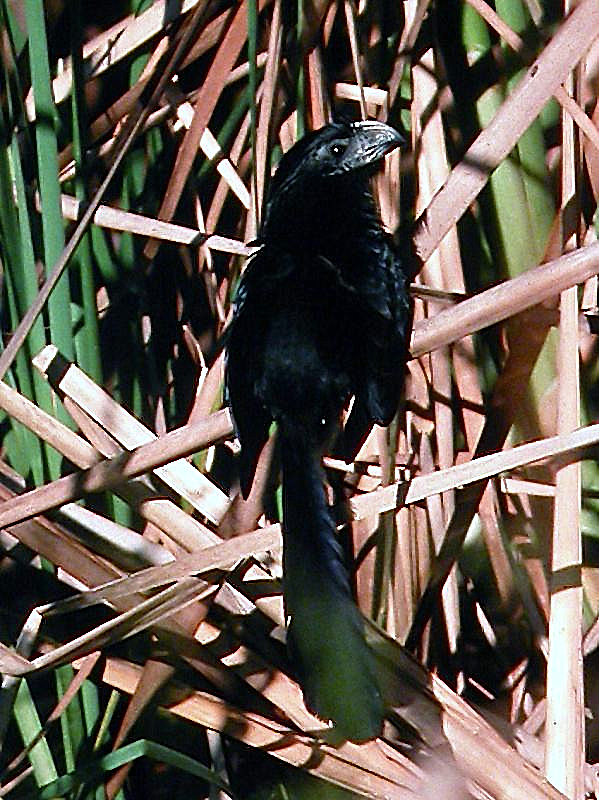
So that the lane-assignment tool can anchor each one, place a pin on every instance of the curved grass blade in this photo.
(95, 770)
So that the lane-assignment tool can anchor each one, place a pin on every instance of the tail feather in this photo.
(325, 636)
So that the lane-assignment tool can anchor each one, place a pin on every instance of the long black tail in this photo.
(325, 636)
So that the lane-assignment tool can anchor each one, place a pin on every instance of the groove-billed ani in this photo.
(322, 315)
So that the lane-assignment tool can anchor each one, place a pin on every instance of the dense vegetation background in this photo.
(137, 144)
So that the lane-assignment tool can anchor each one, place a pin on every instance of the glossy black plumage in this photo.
(322, 315)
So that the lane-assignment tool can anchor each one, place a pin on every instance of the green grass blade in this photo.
(17, 36)
(125, 755)
(29, 725)
(87, 342)
(509, 226)
(47, 164)
(71, 720)
(531, 147)
(514, 233)
(17, 250)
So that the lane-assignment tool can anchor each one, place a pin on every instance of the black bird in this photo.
(322, 315)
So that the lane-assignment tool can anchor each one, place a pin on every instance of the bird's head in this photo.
(335, 150)
(338, 155)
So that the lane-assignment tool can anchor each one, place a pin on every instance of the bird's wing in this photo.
(386, 315)
(244, 365)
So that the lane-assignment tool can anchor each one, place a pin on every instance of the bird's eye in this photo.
(338, 149)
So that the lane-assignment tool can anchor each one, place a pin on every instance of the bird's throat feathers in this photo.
(338, 214)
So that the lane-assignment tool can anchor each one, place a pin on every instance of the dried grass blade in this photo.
(569, 446)
(180, 475)
(563, 52)
(352, 31)
(565, 721)
(53, 543)
(361, 768)
(223, 63)
(271, 75)
(409, 35)
(218, 558)
(126, 548)
(112, 46)
(178, 524)
(508, 395)
(116, 113)
(61, 438)
(222, 189)
(372, 95)
(117, 220)
(516, 43)
(441, 716)
(317, 86)
(113, 472)
(154, 676)
(485, 757)
(212, 150)
(163, 72)
(443, 271)
(143, 615)
(48, 540)
(505, 300)
(564, 743)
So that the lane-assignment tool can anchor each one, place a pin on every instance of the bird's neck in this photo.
(331, 224)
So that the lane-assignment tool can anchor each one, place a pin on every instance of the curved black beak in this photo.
(373, 140)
